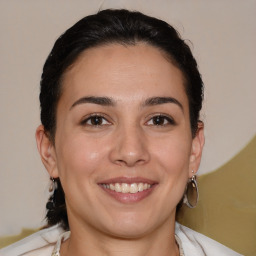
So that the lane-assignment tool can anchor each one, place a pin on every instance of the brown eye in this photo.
(95, 120)
(160, 120)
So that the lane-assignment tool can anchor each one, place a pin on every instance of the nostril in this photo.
(120, 162)
(130, 162)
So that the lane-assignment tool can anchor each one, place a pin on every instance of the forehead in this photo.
(139, 70)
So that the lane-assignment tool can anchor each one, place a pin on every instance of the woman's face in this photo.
(123, 145)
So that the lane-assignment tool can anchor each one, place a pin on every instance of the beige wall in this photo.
(223, 37)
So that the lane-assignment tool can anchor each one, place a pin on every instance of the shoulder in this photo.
(37, 244)
(194, 243)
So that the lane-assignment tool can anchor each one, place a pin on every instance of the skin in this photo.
(129, 142)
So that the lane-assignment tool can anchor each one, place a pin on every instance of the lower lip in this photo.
(129, 197)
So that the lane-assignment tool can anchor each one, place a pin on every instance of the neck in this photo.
(88, 242)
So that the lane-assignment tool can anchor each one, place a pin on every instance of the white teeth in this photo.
(127, 188)
(134, 188)
(140, 187)
(118, 187)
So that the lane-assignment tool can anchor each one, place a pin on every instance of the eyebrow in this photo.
(104, 101)
(162, 100)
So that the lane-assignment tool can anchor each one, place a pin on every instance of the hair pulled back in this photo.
(106, 27)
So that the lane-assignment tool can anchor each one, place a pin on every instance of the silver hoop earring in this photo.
(50, 205)
(191, 193)
(52, 185)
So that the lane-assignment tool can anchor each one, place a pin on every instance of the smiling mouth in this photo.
(127, 188)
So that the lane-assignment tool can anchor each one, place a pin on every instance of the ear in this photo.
(47, 151)
(197, 149)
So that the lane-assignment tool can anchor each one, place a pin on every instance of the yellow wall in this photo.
(226, 210)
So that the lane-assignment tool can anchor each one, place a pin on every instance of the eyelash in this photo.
(103, 121)
(163, 118)
(101, 117)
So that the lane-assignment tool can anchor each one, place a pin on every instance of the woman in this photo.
(121, 140)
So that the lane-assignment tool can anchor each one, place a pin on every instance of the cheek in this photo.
(174, 154)
(78, 155)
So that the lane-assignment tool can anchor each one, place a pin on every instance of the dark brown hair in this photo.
(106, 27)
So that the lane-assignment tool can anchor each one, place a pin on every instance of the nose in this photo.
(130, 147)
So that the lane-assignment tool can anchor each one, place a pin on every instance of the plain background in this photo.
(222, 37)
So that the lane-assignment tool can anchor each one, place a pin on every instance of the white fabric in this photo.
(196, 244)
(66, 235)
(42, 243)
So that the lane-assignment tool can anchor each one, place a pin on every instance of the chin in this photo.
(132, 226)
(129, 231)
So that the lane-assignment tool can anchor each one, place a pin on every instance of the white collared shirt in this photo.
(47, 242)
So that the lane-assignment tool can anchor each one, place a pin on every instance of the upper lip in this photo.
(128, 180)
